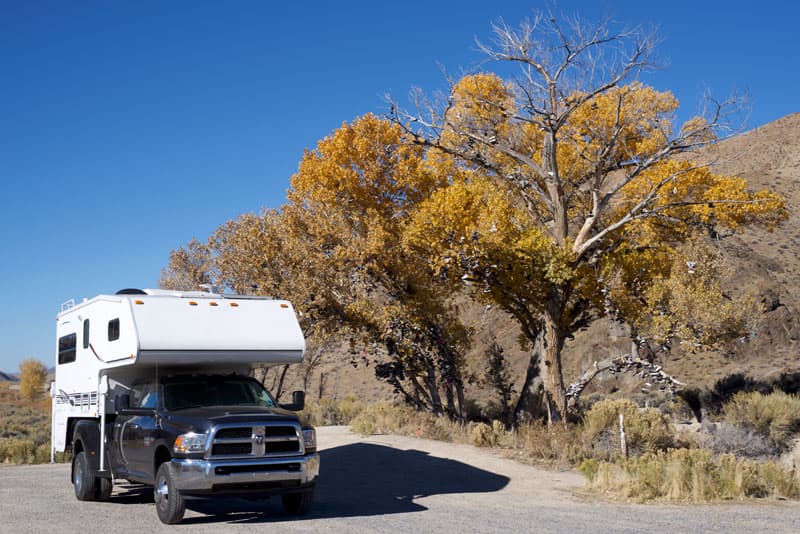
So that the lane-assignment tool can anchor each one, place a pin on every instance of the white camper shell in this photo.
(105, 343)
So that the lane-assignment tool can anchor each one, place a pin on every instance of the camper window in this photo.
(86, 333)
(113, 329)
(66, 348)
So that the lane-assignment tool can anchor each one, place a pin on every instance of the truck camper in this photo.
(154, 387)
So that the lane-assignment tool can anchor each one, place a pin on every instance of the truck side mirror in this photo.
(298, 401)
(122, 402)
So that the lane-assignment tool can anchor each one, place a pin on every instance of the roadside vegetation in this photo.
(24, 427)
(736, 454)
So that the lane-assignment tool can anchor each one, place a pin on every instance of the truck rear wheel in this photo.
(298, 503)
(170, 504)
(103, 488)
(82, 478)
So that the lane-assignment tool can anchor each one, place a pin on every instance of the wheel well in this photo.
(68, 438)
(162, 455)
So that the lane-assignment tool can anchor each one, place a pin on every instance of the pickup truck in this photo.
(200, 436)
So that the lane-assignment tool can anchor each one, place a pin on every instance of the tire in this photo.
(83, 479)
(298, 503)
(170, 504)
(103, 488)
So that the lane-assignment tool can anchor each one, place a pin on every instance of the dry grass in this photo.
(534, 443)
(329, 411)
(690, 475)
(24, 432)
(646, 430)
(655, 472)
(23, 451)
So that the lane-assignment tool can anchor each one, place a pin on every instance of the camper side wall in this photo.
(90, 338)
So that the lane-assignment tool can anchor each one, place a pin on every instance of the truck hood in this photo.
(203, 418)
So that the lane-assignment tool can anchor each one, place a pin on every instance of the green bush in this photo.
(589, 468)
(646, 430)
(776, 416)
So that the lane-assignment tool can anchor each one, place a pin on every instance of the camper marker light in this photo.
(284, 305)
(192, 303)
(234, 304)
(212, 303)
(190, 442)
(137, 301)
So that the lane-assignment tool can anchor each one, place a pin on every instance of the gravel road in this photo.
(385, 484)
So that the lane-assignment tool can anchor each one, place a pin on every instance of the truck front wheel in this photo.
(170, 504)
(298, 503)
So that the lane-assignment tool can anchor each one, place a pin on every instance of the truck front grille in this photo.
(257, 440)
(228, 449)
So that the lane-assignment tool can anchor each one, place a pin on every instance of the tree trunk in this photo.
(450, 399)
(433, 390)
(553, 374)
(460, 397)
(279, 389)
(532, 386)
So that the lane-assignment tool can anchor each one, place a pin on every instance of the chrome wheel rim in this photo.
(162, 490)
(78, 477)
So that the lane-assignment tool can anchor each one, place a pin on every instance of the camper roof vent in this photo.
(131, 291)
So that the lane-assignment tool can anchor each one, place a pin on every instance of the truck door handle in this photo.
(135, 427)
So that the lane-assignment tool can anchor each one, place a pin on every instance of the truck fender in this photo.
(88, 434)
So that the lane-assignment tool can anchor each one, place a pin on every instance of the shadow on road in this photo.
(363, 480)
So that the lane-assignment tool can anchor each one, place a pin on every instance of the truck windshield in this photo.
(214, 391)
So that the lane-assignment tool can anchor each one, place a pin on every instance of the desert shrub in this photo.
(725, 388)
(646, 430)
(734, 439)
(18, 451)
(483, 435)
(330, 411)
(25, 431)
(589, 468)
(775, 416)
(400, 419)
(693, 475)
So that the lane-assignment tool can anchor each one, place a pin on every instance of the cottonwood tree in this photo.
(350, 200)
(335, 250)
(188, 269)
(574, 167)
(32, 374)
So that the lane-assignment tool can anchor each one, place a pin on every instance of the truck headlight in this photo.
(310, 439)
(190, 442)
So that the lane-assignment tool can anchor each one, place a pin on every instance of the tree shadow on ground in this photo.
(362, 480)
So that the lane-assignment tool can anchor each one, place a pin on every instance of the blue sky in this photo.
(127, 128)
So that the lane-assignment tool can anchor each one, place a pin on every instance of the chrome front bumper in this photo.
(205, 476)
